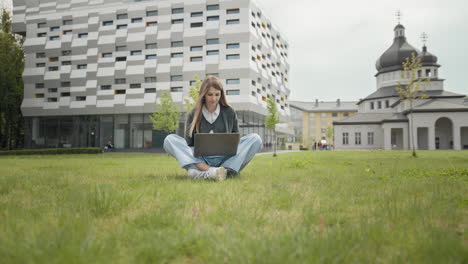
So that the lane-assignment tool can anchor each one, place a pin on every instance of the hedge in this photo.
(52, 151)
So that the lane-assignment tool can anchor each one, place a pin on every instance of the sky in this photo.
(334, 44)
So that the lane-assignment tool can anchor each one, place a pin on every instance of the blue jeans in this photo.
(249, 145)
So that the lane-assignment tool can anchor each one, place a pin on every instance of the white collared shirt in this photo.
(211, 116)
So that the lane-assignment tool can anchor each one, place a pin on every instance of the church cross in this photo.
(398, 15)
(424, 38)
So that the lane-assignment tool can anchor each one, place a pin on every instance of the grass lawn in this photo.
(307, 207)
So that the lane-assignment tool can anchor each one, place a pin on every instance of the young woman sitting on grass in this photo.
(212, 114)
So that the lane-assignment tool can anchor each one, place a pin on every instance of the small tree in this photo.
(167, 114)
(329, 133)
(272, 119)
(191, 100)
(414, 90)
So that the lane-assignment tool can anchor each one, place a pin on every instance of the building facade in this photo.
(439, 120)
(94, 69)
(315, 118)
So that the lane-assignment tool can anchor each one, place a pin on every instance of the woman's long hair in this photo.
(209, 82)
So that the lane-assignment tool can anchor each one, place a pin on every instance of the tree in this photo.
(272, 119)
(167, 114)
(329, 133)
(11, 85)
(192, 99)
(412, 92)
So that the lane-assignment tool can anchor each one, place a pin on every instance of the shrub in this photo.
(52, 151)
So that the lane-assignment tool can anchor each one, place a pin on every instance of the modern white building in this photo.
(95, 68)
(383, 121)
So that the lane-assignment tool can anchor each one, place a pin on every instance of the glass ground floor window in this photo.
(123, 131)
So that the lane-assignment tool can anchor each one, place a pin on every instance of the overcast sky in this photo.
(334, 44)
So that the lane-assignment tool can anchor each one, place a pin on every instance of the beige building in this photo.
(317, 117)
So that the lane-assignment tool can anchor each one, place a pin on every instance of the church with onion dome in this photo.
(438, 120)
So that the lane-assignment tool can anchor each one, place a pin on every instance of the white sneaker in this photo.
(213, 173)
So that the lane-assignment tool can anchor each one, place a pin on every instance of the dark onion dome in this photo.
(393, 57)
(427, 58)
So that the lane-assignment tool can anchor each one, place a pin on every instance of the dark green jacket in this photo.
(227, 115)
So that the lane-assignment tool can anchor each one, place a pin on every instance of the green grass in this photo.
(307, 207)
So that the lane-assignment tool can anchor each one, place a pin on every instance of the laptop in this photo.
(216, 144)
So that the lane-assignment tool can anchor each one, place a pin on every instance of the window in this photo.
(212, 7)
(150, 90)
(196, 14)
(152, 24)
(83, 35)
(196, 48)
(177, 10)
(150, 79)
(135, 85)
(106, 87)
(323, 130)
(232, 81)
(199, 58)
(177, 55)
(151, 46)
(151, 57)
(137, 20)
(254, 93)
(175, 78)
(122, 16)
(120, 48)
(212, 52)
(40, 65)
(212, 41)
(177, 21)
(212, 18)
(135, 52)
(121, 91)
(176, 89)
(428, 72)
(81, 66)
(372, 105)
(197, 24)
(357, 138)
(232, 57)
(232, 46)
(39, 85)
(345, 138)
(65, 94)
(67, 32)
(66, 52)
(334, 114)
(54, 38)
(107, 55)
(39, 95)
(41, 35)
(192, 83)
(254, 83)
(53, 68)
(121, 59)
(387, 103)
(41, 25)
(67, 22)
(122, 26)
(177, 44)
(370, 138)
(379, 104)
(65, 84)
(81, 98)
(232, 92)
(232, 21)
(52, 90)
(40, 55)
(152, 13)
(233, 11)
(345, 114)
(120, 81)
(108, 23)
(52, 99)
(215, 74)
(53, 59)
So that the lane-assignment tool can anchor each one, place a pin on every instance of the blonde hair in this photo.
(209, 82)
